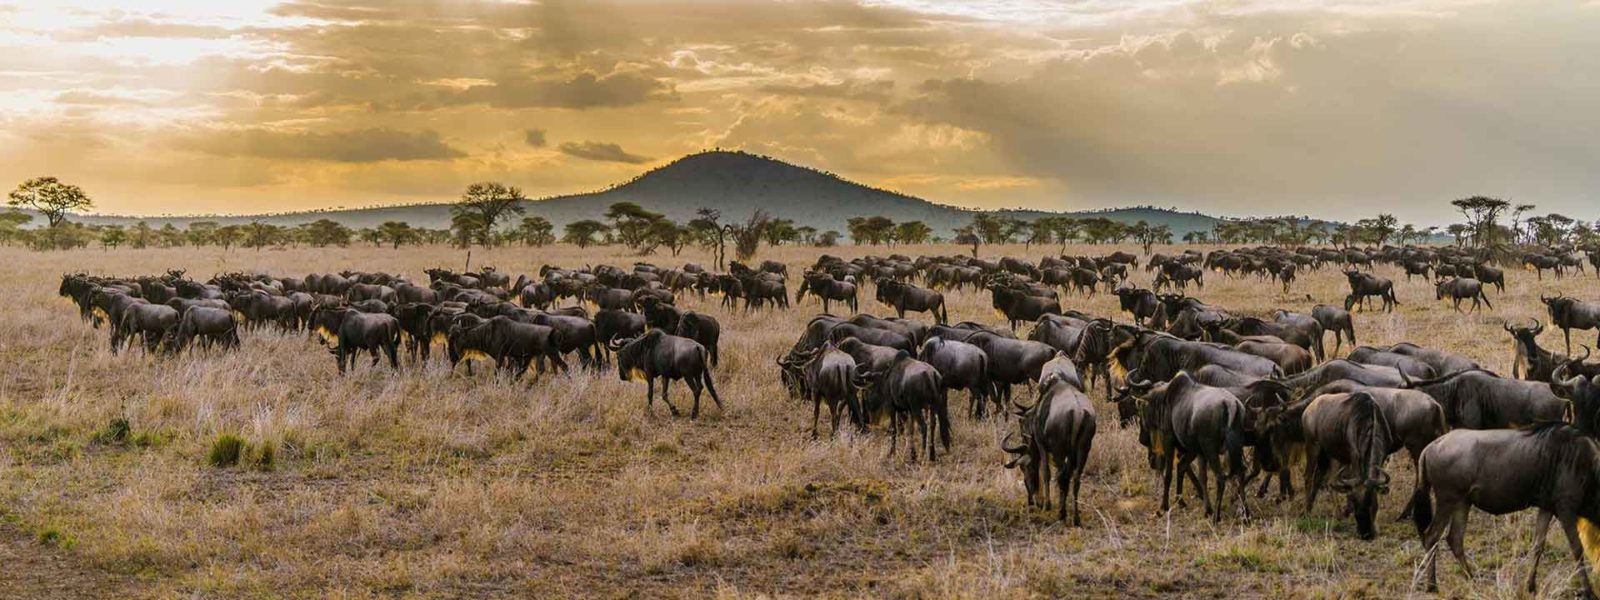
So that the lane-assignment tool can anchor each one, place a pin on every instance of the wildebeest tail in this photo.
(1234, 443)
(941, 412)
(705, 375)
(1421, 504)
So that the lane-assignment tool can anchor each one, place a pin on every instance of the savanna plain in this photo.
(430, 483)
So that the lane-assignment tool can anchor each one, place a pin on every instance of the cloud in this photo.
(357, 146)
(534, 137)
(603, 152)
(143, 28)
(845, 90)
(584, 90)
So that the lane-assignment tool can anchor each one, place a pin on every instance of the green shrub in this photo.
(116, 432)
(226, 450)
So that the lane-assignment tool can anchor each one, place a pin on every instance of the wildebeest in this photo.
(1011, 362)
(350, 332)
(910, 391)
(1553, 467)
(1141, 303)
(150, 322)
(827, 289)
(1348, 428)
(1462, 288)
(1057, 431)
(1017, 306)
(1338, 321)
(826, 376)
(659, 355)
(906, 297)
(209, 324)
(1537, 364)
(1478, 399)
(1366, 285)
(961, 366)
(512, 345)
(1568, 313)
(704, 329)
(1183, 421)
(1411, 366)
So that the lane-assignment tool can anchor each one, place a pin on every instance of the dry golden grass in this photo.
(433, 484)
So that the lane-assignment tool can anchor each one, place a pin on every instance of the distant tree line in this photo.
(492, 214)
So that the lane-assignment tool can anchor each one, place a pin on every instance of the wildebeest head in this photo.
(632, 353)
(1583, 393)
(1362, 482)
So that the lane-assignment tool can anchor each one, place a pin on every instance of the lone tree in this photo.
(707, 227)
(581, 233)
(537, 231)
(51, 198)
(483, 205)
(1482, 215)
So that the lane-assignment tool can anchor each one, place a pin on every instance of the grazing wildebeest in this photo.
(659, 355)
(1490, 276)
(702, 328)
(1462, 288)
(825, 376)
(1011, 362)
(1017, 306)
(609, 324)
(909, 390)
(1569, 313)
(827, 289)
(904, 296)
(961, 366)
(1415, 418)
(1366, 285)
(1057, 431)
(1183, 421)
(151, 322)
(511, 344)
(1140, 303)
(1553, 467)
(1350, 428)
(210, 324)
(350, 331)
(1338, 321)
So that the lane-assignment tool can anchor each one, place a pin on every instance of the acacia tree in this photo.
(537, 231)
(482, 206)
(52, 198)
(912, 232)
(1482, 213)
(582, 233)
(707, 227)
(396, 233)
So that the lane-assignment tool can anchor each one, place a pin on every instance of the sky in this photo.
(1338, 109)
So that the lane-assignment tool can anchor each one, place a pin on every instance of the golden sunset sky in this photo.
(1333, 109)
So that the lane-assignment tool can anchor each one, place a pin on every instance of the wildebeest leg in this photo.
(705, 377)
(694, 389)
(1569, 526)
(1316, 469)
(1458, 534)
(374, 352)
(339, 354)
(1200, 485)
(649, 395)
(1166, 482)
(1064, 486)
(556, 362)
(1411, 505)
(1541, 526)
(393, 350)
(1430, 545)
(816, 412)
(666, 382)
(922, 427)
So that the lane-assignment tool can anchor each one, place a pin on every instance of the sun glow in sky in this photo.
(1335, 109)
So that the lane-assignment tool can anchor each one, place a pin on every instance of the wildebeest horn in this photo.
(1538, 327)
(617, 342)
(1383, 481)
(1018, 449)
(1135, 383)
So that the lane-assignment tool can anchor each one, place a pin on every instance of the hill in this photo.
(735, 183)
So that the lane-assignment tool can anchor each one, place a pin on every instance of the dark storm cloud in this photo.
(601, 151)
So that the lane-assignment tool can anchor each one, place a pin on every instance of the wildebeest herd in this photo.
(1210, 393)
